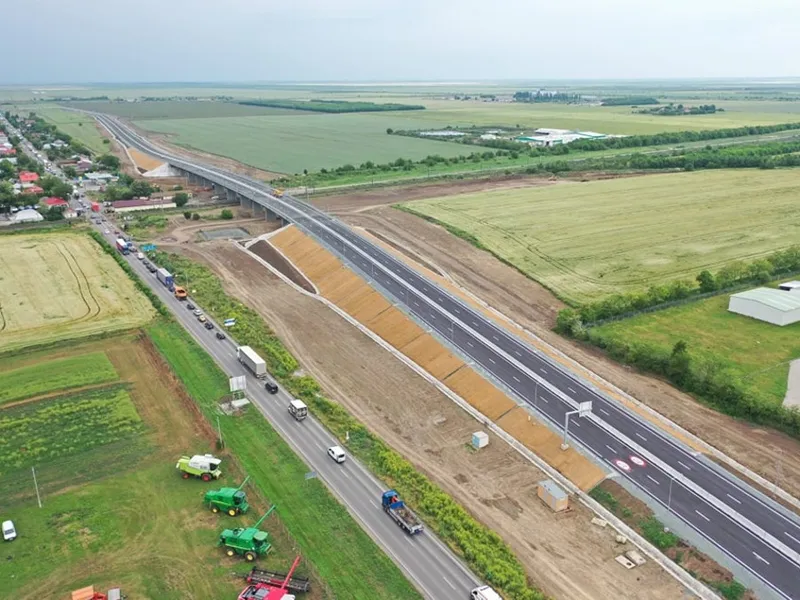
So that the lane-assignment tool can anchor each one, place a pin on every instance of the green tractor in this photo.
(204, 466)
(231, 500)
(249, 542)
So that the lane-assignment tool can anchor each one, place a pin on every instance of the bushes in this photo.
(226, 214)
(155, 300)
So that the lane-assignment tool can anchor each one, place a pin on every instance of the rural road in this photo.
(748, 528)
(425, 560)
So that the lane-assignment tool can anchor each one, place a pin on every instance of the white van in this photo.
(298, 409)
(9, 531)
(484, 593)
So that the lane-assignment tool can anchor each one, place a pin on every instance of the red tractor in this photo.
(267, 585)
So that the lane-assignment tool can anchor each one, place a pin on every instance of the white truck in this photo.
(484, 593)
(298, 409)
(252, 361)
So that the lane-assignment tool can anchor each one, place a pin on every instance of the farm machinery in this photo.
(204, 466)
(88, 593)
(249, 542)
(230, 500)
(267, 585)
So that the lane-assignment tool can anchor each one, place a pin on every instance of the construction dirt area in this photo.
(771, 454)
(563, 553)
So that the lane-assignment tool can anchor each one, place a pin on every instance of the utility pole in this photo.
(219, 434)
(36, 485)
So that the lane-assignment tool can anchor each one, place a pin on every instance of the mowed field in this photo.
(93, 295)
(585, 241)
(289, 143)
(81, 127)
(114, 511)
(757, 352)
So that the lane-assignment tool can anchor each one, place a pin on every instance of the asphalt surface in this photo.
(749, 528)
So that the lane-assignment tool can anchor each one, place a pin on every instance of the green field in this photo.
(180, 110)
(61, 374)
(291, 143)
(752, 350)
(81, 127)
(585, 241)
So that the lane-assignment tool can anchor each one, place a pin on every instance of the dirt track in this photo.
(769, 453)
(566, 556)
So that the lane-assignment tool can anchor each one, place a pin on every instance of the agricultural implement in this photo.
(88, 593)
(267, 585)
(230, 500)
(249, 542)
(204, 466)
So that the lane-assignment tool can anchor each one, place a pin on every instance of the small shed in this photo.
(767, 304)
(480, 439)
(790, 286)
(552, 495)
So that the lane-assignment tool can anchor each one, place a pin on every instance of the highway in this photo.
(426, 561)
(745, 526)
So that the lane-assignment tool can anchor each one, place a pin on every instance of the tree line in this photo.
(332, 106)
(628, 101)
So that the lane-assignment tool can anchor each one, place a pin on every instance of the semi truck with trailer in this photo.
(248, 357)
(165, 277)
(400, 513)
(122, 246)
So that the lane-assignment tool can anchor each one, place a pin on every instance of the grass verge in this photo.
(322, 527)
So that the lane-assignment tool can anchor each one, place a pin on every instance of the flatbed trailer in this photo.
(295, 583)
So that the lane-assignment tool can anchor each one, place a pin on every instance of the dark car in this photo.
(152, 268)
(190, 306)
(220, 335)
(208, 325)
(271, 387)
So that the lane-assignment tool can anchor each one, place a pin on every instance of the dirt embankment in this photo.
(773, 455)
(564, 554)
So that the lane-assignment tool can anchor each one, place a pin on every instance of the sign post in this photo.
(584, 408)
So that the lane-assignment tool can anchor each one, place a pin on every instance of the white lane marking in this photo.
(610, 448)
(458, 312)
(576, 423)
(761, 558)
(517, 379)
(702, 515)
(517, 353)
(416, 303)
(408, 539)
(491, 360)
(571, 390)
(734, 499)
(654, 480)
(470, 344)
(345, 474)
(605, 412)
(440, 298)
(639, 435)
(789, 535)
(543, 370)
(544, 399)
(687, 467)
(475, 323)
(424, 289)
(495, 338)
(447, 581)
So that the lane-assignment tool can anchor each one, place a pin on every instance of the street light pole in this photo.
(669, 498)
(564, 444)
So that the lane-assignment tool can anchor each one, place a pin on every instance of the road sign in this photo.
(238, 383)
(584, 408)
(311, 475)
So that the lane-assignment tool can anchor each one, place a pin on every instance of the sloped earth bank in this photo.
(564, 554)
(773, 455)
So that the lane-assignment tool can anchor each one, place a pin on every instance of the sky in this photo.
(60, 41)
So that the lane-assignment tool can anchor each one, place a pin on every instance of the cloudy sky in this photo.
(383, 40)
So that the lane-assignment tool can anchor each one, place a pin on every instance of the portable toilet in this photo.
(480, 439)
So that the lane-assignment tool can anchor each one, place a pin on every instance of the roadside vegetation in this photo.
(332, 106)
(482, 549)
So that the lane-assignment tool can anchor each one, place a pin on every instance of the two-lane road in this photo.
(426, 561)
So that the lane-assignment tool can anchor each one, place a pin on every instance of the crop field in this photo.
(59, 286)
(60, 374)
(585, 241)
(105, 465)
(752, 350)
(293, 142)
(81, 127)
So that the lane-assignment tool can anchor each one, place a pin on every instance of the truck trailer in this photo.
(252, 361)
(165, 277)
(400, 513)
(122, 246)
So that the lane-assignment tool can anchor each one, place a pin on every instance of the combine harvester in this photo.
(204, 466)
(230, 500)
(266, 585)
(249, 542)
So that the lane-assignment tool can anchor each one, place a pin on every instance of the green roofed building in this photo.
(778, 307)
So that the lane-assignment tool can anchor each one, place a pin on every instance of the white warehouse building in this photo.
(766, 304)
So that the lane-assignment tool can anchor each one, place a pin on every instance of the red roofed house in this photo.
(4, 151)
(34, 189)
(54, 201)
(28, 177)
